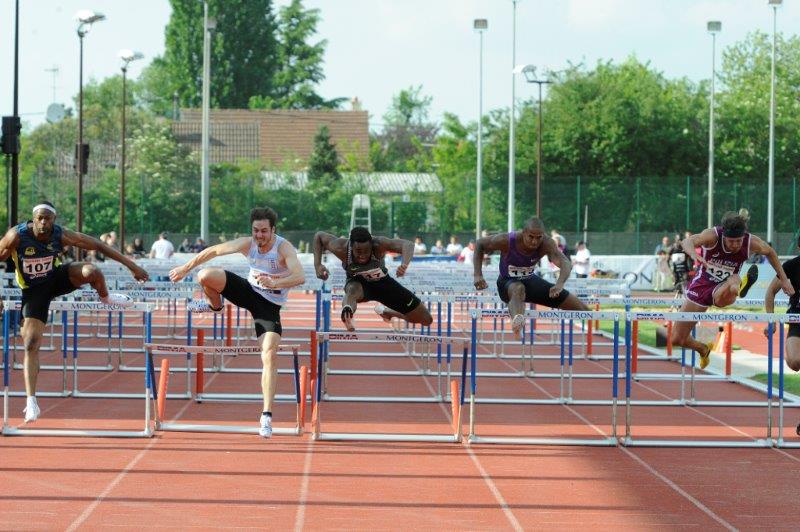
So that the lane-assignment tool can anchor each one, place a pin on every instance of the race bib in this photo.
(373, 274)
(521, 271)
(718, 272)
(37, 267)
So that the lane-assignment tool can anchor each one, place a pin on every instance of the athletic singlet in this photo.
(371, 271)
(268, 263)
(720, 263)
(35, 261)
(516, 265)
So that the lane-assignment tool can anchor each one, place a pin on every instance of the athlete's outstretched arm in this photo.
(706, 239)
(759, 246)
(296, 275)
(327, 242)
(397, 245)
(9, 243)
(83, 241)
(239, 245)
(498, 242)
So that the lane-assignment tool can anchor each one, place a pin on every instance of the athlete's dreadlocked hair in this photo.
(734, 225)
(360, 234)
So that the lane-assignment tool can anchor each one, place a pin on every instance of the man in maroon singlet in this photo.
(517, 284)
(723, 250)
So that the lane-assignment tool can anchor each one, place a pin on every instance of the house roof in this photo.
(375, 182)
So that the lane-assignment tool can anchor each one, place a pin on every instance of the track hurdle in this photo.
(299, 396)
(75, 306)
(564, 399)
(767, 441)
(456, 398)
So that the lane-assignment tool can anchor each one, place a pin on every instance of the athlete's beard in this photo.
(42, 232)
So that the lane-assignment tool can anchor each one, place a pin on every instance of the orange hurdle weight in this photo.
(455, 405)
(163, 382)
(669, 338)
(728, 346)
(229, 326)
(303, 394)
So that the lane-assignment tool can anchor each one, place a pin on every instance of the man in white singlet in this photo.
(274, 269)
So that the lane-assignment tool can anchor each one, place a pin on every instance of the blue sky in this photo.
(377, 47)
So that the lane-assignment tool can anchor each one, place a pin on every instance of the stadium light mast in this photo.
(208, 26)
(127, 56)
(771, 171)
(714, 27)
(481, 25)
(530, 76)
(512, 178)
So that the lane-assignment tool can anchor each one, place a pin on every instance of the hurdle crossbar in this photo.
(172, 349)
(322, 337)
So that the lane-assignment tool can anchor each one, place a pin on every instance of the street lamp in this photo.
(714, 27)
(530, 76)
(771, 171)
(127, 56)
(208, 27)
(11, 129)
(85, 18)
(480, 25)
(511, 124)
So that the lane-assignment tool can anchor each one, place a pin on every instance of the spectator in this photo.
(663, 246)
(454, 248)
(199, 245)
(662, 278)
(185, 246)
(438, 248)
(130, 251)
(560, 241)
(162, 248)
(419, 246)
(112, 240)
(468, 253)
(581, 260)
(138, 247)
(222, 238)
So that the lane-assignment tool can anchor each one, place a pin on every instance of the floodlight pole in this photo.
(713, 28)
(771, 169)
(204, 173)
(511, 124)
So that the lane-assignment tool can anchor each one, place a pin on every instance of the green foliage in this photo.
(323, 165)
(243, 53)
(299, 63)
(402, 145)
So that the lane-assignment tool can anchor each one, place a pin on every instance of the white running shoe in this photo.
(201, 305)
(116, 298)
(379, 310)
(265, 430)
(31, 410)
(517, 323)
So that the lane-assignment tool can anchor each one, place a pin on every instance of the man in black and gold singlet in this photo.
(367, 277)
(35, 247)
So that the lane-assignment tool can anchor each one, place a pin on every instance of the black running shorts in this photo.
(537, 290)
(388, 292)
(36, 299)
(266, 314)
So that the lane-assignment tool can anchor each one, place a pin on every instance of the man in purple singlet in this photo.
(517, 283)
(724, 249)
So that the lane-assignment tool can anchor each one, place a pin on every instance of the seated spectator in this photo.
(467, 254)
(162, 248)
(438, 248)
(130, 251)
(419, 246)
(185, 246)
(138, 247)
(199, 245)
(454, 248)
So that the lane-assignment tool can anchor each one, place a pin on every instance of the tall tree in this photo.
(323, 165)
(402, 145)
(299, 63)
(243, 51)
